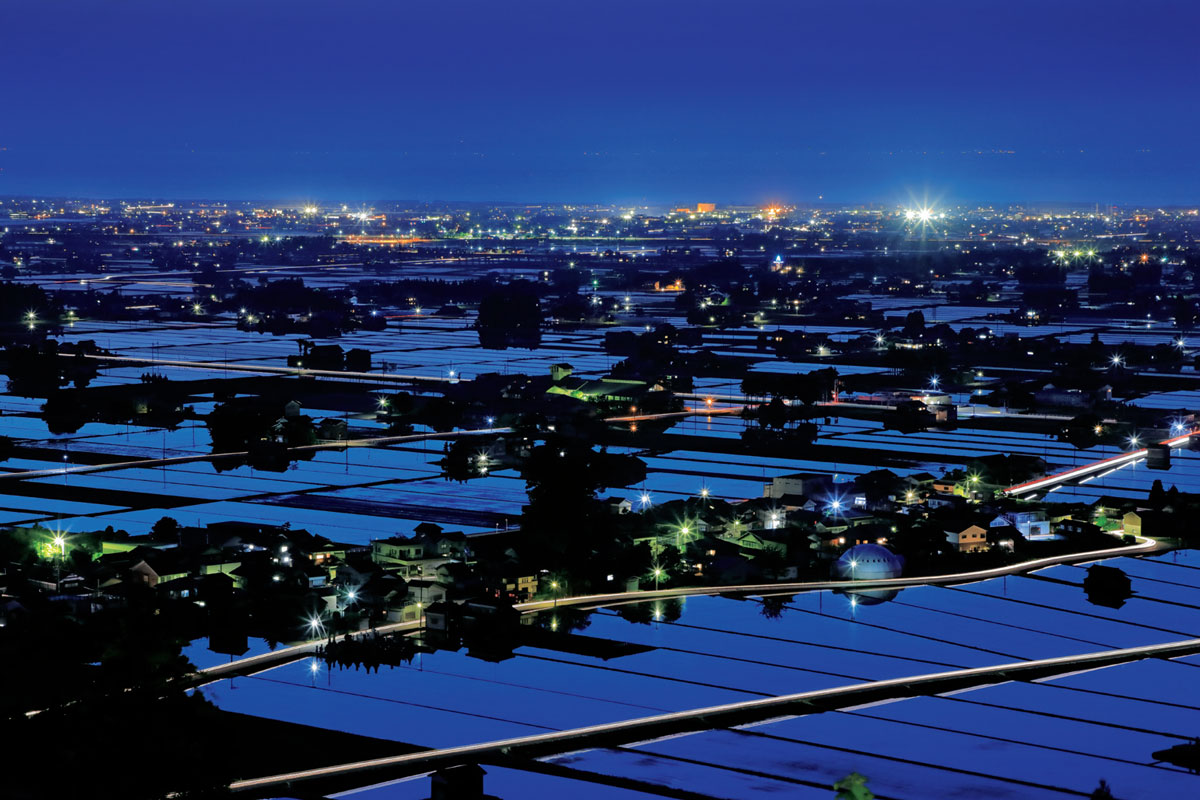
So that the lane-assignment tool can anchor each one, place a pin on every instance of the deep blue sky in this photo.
(613, 100)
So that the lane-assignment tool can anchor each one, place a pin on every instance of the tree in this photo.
(1157, 497)
(1081, 431)
(774, 606)
(165, 530)
(510, 316)
(914, 323)
(853, 787)
(1102, 792)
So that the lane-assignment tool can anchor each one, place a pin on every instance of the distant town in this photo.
(249, 445)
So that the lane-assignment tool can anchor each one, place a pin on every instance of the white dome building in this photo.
(868, 562)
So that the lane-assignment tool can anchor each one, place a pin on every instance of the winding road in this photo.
(264, 661)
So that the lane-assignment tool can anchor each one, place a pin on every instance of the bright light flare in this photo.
(922, 215)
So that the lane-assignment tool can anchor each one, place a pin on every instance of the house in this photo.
(943, 413)
(618, 505)
(440, 616)
(1076, 527)
(358, 360)
(611, 393)
(218, 564)
(832, 525)
(425, 591)
(186, 588)
(333, 553)
(1033, 525)
(516, 584)
(332, 429)
(850, 518)
(407, 553)
(758, 541)
(945, 485)
(110, 546)
(945, 501)
(457, 576)
(771, 518)
(145, 565)
(796, 502)
(1146, 522)
(968, 538)
(807, 484)
(315, 576)
(150, 576)
(920, 480)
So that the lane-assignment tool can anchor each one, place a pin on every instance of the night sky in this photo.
(362, 101)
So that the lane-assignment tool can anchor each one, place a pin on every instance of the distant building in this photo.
(332, 429)
(1051, 395)
(806, 484)
(1158, 456)
(421, 553)
(606, 390)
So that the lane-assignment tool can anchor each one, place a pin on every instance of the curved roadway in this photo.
(265, 661)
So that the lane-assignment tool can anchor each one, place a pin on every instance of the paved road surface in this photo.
(264, 661)
(1076, 473)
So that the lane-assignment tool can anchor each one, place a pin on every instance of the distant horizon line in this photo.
(642, 203)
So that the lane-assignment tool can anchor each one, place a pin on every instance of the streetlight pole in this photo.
(60, 541)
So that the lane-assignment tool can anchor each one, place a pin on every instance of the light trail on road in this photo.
(264, 661)
(740, 713)
(1114, 462)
